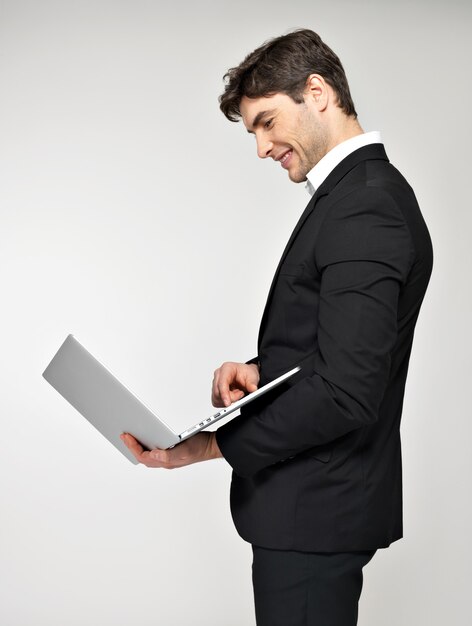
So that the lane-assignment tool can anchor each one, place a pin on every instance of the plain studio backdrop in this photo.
(134, 215)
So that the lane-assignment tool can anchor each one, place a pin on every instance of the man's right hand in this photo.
(232, 381)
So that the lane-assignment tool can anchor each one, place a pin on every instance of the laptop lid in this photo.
(113, 409)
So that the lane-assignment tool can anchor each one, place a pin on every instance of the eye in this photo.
(268, 124)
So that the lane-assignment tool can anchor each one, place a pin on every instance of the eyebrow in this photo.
(258, 118)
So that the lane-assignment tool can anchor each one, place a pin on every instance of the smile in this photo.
(286, 158)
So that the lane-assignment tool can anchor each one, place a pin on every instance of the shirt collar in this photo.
(332, 158)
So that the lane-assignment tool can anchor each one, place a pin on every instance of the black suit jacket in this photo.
(317, 461)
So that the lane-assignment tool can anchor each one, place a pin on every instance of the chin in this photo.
(297, 177)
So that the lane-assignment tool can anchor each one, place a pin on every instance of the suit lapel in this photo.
(309, 208)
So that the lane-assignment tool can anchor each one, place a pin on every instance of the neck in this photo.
(345, 128)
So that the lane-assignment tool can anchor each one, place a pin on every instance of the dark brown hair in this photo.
(282, 65)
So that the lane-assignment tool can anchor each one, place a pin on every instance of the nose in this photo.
(264, 147)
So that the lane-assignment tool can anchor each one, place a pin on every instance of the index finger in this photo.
(220, 389)
(224, 391)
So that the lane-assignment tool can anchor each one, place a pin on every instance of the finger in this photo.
(215, 398)
(224, 393)
(133, 444)
(228, 376)
(236, 394)
(217, 382)
(163, 457)
(155, 458)
(130, 441)
(225, 375)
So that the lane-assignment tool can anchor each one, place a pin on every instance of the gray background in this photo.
(135, 216)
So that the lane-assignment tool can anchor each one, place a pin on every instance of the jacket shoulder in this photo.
(365, 221)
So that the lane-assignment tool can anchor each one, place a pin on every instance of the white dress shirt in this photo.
(327, 164)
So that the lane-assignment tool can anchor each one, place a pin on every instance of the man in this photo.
(317, 462)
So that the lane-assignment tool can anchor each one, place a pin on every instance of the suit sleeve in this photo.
(253, 361)
(363, 253)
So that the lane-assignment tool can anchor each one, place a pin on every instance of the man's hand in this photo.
(232, 381)
(200, 447)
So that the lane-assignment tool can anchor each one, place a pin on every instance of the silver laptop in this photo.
(109, 406)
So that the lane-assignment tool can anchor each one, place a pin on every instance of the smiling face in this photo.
(291, 133)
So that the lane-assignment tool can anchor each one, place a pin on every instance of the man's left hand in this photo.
(200, 447)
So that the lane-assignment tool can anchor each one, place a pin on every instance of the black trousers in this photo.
(307, 588)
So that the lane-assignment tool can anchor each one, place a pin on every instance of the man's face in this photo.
(290, 133)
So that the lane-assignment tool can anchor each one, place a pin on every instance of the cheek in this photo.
(298, 147)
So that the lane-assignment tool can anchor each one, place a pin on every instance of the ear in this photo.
(316, 92)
